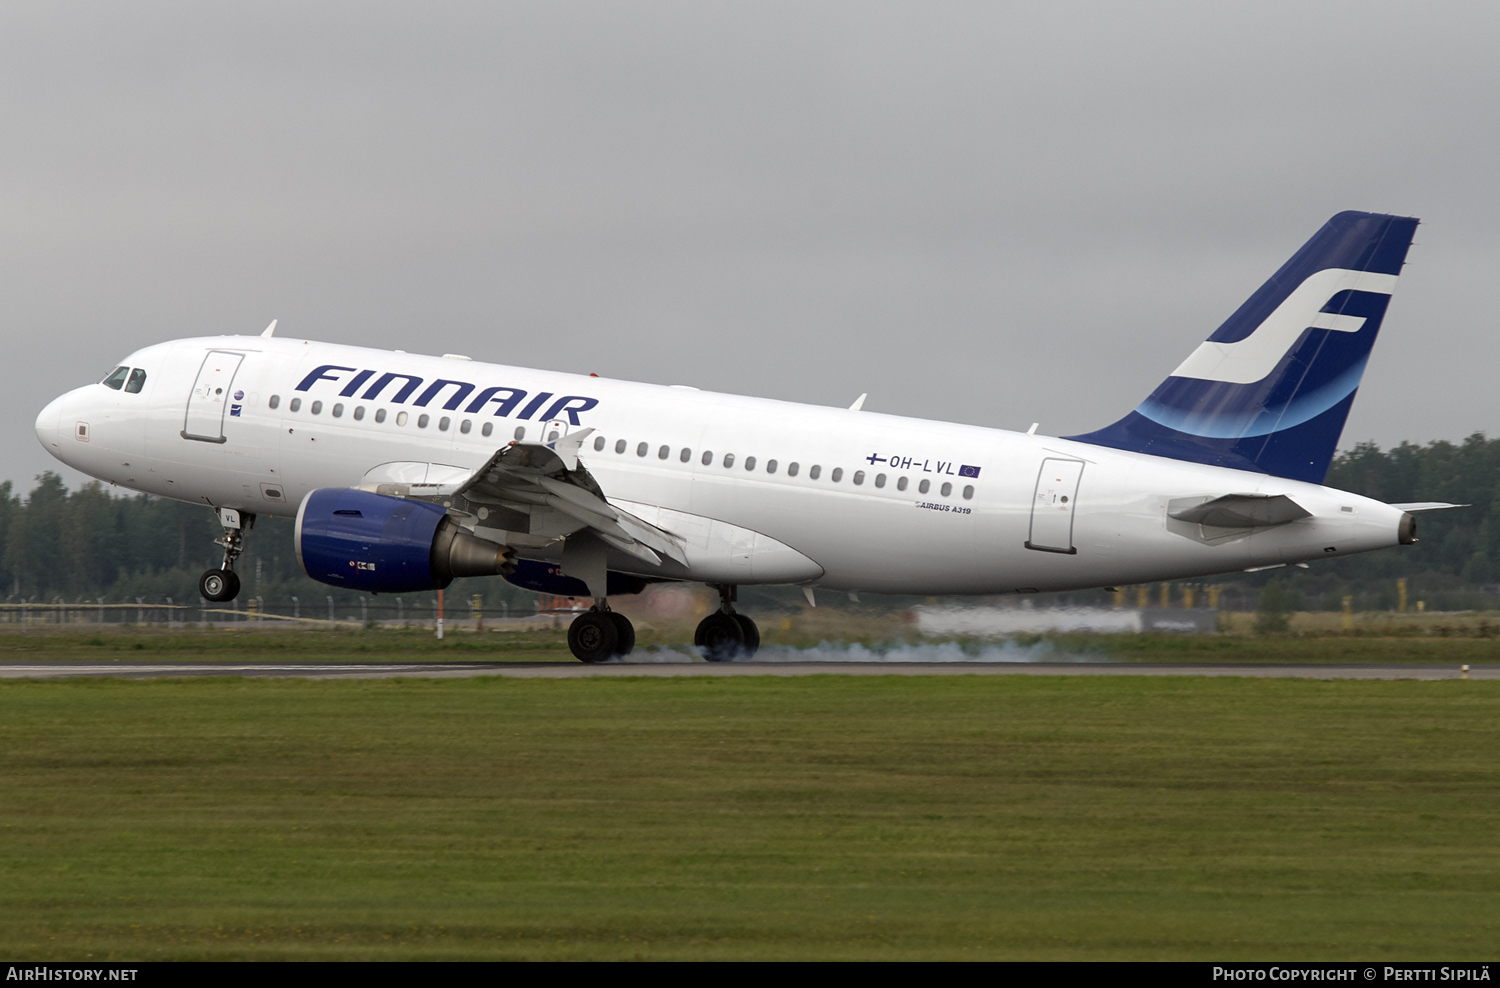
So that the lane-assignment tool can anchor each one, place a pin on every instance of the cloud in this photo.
(976, 212)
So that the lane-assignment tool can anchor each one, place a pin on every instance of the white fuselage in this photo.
(868, 530)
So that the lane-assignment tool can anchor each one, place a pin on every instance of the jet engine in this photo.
(382, 544)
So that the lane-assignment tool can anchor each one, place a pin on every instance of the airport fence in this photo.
(395, 611)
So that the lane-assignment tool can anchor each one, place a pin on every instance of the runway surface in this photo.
(577, 670)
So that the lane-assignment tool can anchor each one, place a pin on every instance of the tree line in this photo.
(89, 543)
(1453, 566)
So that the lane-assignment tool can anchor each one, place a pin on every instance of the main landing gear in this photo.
(219, 585)
(599, 634)
(726, 635)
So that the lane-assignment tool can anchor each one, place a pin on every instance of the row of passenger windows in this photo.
(684, 455)
(444, 423)
(814, 472)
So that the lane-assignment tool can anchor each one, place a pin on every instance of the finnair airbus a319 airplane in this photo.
(406, 471)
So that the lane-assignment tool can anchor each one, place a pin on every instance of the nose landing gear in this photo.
(219, 585)
(726, 635)
(599, 634)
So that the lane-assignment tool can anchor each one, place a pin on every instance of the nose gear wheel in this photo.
(219, 585)
(222, 584)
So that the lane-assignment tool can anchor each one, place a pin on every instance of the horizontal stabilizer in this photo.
(1244, 511)
(1417, 507)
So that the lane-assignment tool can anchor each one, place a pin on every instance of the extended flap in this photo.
(548, 476)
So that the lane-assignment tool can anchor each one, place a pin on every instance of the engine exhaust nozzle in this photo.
(1406, 532)
(456, 553)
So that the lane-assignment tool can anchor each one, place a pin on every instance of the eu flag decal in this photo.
(968, 471)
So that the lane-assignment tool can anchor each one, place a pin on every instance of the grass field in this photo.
(822, 817)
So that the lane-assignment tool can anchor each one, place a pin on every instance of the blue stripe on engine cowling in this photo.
(545, 577)
(369, 542)
(1287, 424)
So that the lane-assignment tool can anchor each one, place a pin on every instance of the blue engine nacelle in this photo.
(382, 544)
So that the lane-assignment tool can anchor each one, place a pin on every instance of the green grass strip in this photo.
(823, 817)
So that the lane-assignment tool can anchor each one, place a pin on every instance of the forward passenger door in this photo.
(212, 397)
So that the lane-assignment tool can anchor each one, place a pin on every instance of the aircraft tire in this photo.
(625, 631)
(219, 585)
(720, 636)
(752, 636)
(592, 637)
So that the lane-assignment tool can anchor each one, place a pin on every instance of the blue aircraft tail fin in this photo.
(1269, 391)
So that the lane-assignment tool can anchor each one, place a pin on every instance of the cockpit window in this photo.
(116, 378)
(137, 381)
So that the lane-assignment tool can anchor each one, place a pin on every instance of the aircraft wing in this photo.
(540, 493)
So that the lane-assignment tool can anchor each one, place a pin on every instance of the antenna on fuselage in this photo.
(271, 329)
(858, 403)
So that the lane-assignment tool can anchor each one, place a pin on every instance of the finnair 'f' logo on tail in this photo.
(1265, 392)
(1254, 357)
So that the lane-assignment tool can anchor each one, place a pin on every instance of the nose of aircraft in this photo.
(49, 423)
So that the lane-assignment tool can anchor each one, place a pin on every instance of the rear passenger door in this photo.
(1053, 504)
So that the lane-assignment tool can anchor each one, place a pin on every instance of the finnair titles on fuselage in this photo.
(405, 471)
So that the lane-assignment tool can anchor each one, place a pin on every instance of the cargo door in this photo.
(1053, 505)
(211, 397)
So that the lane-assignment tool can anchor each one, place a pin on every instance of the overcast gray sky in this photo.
(984, 212)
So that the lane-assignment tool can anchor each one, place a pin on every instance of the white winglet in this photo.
(271, 329)
(566, 448)
(858, 403)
